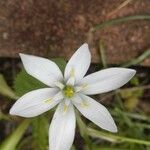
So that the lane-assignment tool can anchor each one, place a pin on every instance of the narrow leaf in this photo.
(11, 141)
(5, 89)
(40, 132)
(108, 136)
(120, 20)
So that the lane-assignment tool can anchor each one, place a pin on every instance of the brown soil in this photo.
(56, 28)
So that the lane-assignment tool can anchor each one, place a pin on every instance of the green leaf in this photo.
(120, 20)
(25, 83)
(4, 116)
(125, 94)
(135, 81)
(99, 134)
(25, 143)
(12, 141)
(40, 132)
(83, 131)
(73, 147)
(61, 63)
(82, 126)
(138, 60)
(5, 89)
(131, 103)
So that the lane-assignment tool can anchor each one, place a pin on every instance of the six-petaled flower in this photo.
(69, 91)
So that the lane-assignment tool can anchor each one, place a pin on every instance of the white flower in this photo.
(69, 91)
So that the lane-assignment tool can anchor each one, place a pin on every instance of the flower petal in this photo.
(79, 63)
(62, 128)
(95, 112)
(42, 69)
(106, 80)
(36, 102)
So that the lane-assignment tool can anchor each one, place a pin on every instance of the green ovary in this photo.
(68, 91)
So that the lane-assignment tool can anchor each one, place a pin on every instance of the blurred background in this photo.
(118, 34)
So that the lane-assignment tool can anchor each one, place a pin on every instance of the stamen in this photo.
(59, 84)
(84, 85)
(66, 105)
(65, 108)
(49, 100)
(68, 91)
(72, 72)
(84, 103)
(71, 81)
(80, 88)
(56, 97)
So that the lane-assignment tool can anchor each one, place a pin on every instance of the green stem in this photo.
(5, 89)
(115, 138)
(102, 54)
(119, 100)
(138, 116)
(137, 60)
(120, 20)
(3, 116)
(143, 125)
(83, 131)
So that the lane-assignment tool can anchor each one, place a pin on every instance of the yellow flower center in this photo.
(68, 91)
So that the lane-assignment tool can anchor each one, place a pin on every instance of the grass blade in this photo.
(120, 20)
(137, 60)
(11, 142)
(116, 138)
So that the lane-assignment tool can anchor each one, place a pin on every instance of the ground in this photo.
(57, 28)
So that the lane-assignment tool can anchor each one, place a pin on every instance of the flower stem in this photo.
(6, 90)
(83, 131)
(102, 54)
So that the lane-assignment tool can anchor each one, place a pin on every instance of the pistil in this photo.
(68, 91)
